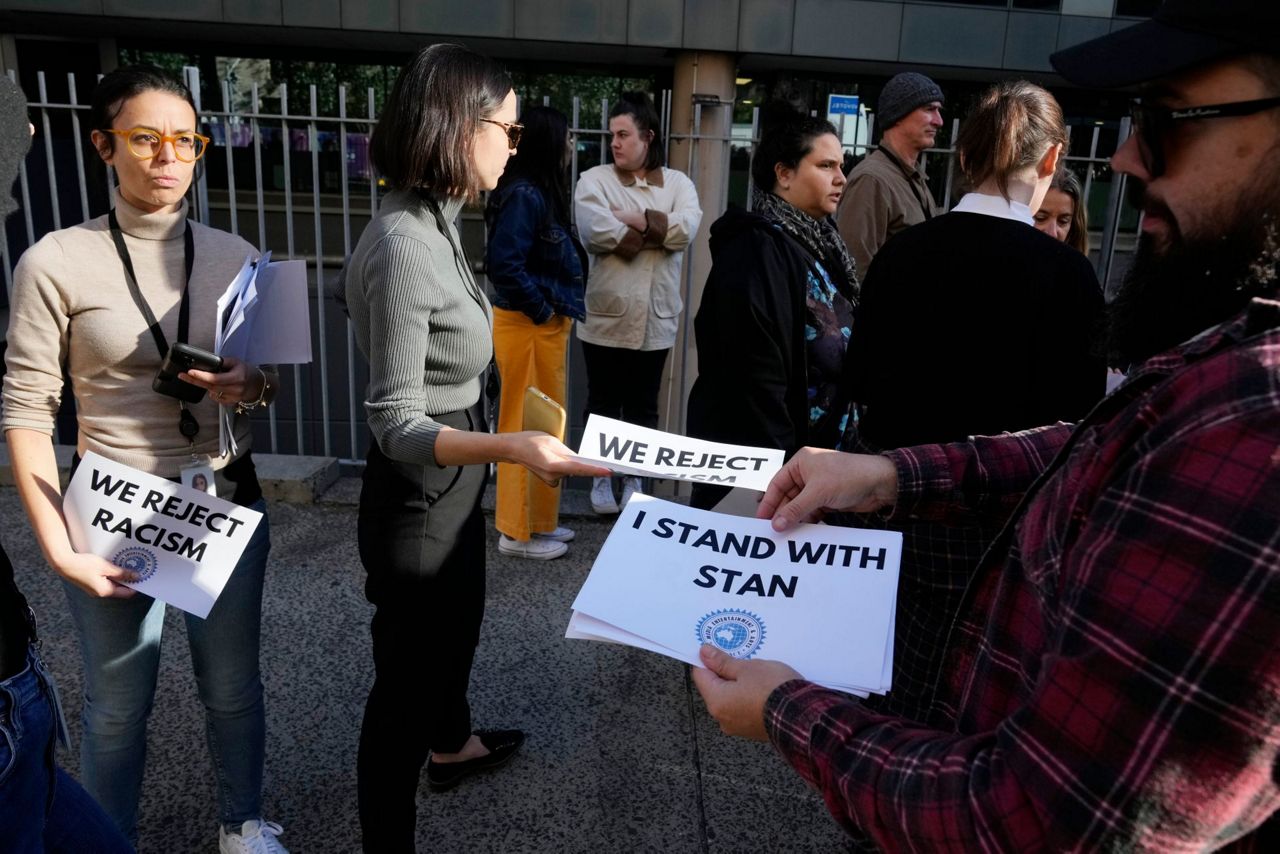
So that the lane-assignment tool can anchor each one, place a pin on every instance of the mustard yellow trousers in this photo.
(527, 355)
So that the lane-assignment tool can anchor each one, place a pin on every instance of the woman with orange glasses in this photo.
(100, 301)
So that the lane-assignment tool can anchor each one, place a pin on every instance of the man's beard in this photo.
(1195, 283)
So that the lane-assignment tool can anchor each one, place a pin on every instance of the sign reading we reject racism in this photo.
(181, 543)
(821, 598)
(628, 449)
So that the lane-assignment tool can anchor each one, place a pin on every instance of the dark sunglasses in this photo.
(1152, 124)
(513, 131)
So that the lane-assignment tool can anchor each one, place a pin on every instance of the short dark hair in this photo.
(1009, 129)
(429, 124)
(640, 108)
(786, 137)
(540, 159)
(117, 87)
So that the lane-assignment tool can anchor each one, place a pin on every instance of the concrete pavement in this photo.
(621, 754)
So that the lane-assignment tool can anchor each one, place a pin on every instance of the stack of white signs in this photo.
(264, 318)
(821, 598)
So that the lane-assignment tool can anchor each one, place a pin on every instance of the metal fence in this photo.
(299, 183)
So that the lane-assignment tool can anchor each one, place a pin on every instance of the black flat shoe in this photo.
(502, 744)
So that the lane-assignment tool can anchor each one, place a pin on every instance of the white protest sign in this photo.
(181, 542)
(819, 597)
(628, 449)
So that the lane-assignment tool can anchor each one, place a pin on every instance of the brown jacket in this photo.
(883, 197)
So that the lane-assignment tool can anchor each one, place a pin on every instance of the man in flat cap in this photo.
(887, 191)
(1113, 681)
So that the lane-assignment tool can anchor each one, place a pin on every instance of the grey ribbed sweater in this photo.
(420, 320)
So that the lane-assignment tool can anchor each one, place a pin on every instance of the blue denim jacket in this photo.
(533, 262)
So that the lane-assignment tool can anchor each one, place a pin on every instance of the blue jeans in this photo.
(120, 646)
(41, 808)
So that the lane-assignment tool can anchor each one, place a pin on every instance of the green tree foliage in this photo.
(591, 90)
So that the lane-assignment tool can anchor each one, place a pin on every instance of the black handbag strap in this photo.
(184, 310)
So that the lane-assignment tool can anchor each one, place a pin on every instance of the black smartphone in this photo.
(184, 357)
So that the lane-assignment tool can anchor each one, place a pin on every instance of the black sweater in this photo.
(974, 325)
(752, 385)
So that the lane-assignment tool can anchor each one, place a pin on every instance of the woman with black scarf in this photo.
(778, 306)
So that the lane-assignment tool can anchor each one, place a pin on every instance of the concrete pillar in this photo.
(701, 105)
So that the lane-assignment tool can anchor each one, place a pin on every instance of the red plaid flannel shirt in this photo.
(1113, 676)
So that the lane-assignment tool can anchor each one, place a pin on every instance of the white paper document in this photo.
(270, 321)
(821, 598)
(628, 449)
(181, 542)
(264, 318)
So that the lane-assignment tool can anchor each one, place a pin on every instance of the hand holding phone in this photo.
(542, 413)
(184, 357)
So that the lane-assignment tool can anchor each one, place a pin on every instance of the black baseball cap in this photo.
(1181, 34)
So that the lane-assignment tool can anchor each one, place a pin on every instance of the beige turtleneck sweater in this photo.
(72, 309)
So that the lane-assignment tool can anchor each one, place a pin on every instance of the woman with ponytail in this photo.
(973, 323)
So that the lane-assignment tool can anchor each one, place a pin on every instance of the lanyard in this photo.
(184, 310)
(187, 424)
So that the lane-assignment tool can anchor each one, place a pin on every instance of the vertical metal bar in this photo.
(79, 147)
(751, 151)
(666, 124)
(314, 140)
(286, 150)
(48, 153)
(26, 201)
(4, 262)
(573, 157)
(346, 253)
(1088, 175)
(256, 130)
(951, 165)
(231, 169)
(200, 187)
(1111, 226)
(687, 264)
(604, 130)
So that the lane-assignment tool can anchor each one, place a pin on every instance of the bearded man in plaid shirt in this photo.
(1113, 676)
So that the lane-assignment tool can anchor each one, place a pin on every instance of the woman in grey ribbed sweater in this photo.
(426, 329)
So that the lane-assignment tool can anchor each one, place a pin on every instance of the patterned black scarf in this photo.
(819, 236)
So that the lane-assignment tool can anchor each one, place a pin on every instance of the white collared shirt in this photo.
(981, 203)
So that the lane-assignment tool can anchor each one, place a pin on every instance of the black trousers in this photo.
(422, 543)
(624, 384)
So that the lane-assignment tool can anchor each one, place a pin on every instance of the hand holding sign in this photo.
(96, 575)
(735, 691)
(627, 449)
(816, 480)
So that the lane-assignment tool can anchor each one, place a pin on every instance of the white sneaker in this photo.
(560, 535)
(255, 837)
(602, 500)
(630, 486)
(533, 548)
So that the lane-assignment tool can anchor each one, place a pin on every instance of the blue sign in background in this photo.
(842, 105)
